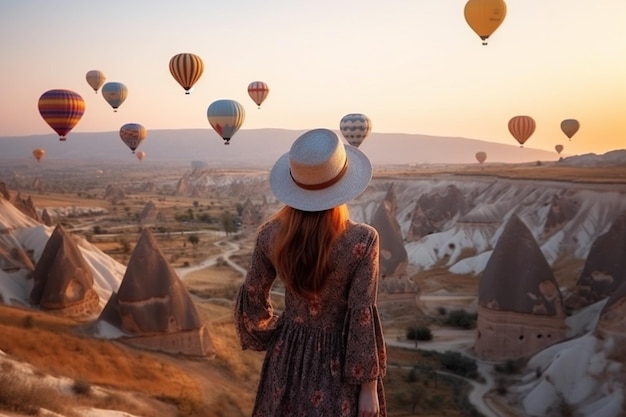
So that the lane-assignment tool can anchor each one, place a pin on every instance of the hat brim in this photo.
(350, 186)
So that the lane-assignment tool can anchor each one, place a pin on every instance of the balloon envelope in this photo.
(140, 155)
(226, 117)
(522, 128)
(186, 69)
(62, 110)
(570, 127)
(39, 153)
(132, 134)
(115, 94)
(95, 79)
(558, 149)
(258, 91)
(355, 127)
(481, 157)
(484, 16)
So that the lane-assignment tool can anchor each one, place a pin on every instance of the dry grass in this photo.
(532, 171)
(53, 346)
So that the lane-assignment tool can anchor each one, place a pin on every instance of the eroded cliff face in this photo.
(456, 222)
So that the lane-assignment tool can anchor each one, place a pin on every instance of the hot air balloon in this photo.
(114, 94)
(132, 134)
(95, 79)
(258, 91)
(570, 127)
(558, 149)
(39, 153)
(355, 127)
(62, 110)
(186, 69)
(484, 16)
(481, 157)
(140, 155)
(522, 127)
(226, 117)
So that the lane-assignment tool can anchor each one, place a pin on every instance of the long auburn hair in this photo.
(302, 246)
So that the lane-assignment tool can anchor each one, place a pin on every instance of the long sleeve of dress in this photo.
(254, 316)
(365, 354)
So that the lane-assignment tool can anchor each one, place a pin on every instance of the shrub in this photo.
(459, 364)
(81, 387)
(461, 319)
(419, 333)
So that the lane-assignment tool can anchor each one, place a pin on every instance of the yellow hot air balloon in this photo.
(186, 69)
(558, 148)
(485, 16)
(140, 155)
(481, 157)
(258, 91)
(522, 128)
(95, 79)
(570, 127)
(39, 153)
(132, 134)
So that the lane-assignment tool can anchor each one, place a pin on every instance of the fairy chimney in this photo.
(520, 309)
(393, 255)
(153, 306)
(605, 267)
(63, 280)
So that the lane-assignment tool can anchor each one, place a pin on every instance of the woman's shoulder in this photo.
(360, 231)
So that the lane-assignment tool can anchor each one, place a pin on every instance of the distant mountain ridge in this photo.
(261, 147)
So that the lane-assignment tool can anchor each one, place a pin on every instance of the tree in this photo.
(194, 240)
(228, 223)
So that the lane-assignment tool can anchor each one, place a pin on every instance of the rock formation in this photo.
(251, 215)
(393, 255)
(605, 267)
(520, 309)
(63, 280)
(612, 321)
(26, 206)
(4, 191)
(433, 211)
(562, 209)
(45, 217)
(153, 307)
(395, 284)
(150, 215)
(114, 194)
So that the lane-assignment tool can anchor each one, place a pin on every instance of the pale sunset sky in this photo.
(412, 66)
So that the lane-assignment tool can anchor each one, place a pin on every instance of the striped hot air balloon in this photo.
(226, 117)
(115, 94)
(522, 128)
(132, 134)
(484, 16)
(186, 69)
(355, 127)
(95, 79)
(62, 110)
(258, 91)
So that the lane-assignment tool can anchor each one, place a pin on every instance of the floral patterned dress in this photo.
(318, 351)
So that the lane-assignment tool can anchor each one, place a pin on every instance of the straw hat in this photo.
(319, 172)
